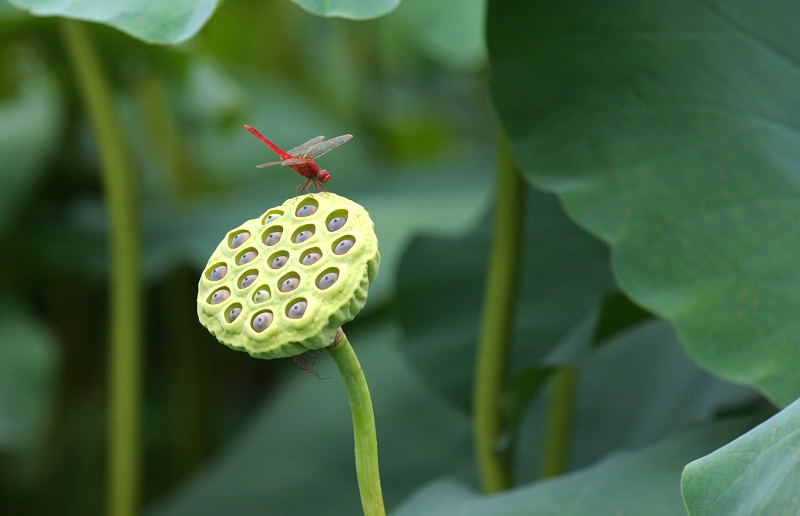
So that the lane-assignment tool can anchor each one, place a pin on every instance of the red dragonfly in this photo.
(301, 158)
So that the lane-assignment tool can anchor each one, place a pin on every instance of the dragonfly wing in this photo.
(285, 163)
(321, 148)
(300, 149)
(269, 164)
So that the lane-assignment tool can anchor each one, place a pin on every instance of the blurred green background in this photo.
(416, 99)
(662, 203)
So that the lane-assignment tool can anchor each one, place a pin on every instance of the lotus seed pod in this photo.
(281, 284)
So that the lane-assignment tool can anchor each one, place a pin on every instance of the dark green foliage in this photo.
(664, 253)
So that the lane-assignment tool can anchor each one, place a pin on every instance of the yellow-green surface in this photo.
(327, 309)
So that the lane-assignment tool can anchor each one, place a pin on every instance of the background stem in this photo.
(125, 296)
(555, 448)
(369, 482)
(497, 322)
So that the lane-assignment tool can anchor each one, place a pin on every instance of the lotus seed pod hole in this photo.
(289, 282)
(233, 312)
(296, 309)
(310, 256)
(336, 220)
(218, 296)
(272, 235)
(343, 245)
(278, 260)
(307, 208)
(303, 233)
(217, 271)
(237, 238)
(246, 256)
(271, 215)
(262, 294)
(327, 278)
(248, 278)
(261, 321)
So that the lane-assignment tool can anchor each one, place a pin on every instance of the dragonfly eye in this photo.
(324, 176)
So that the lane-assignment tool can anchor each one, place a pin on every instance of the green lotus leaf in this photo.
(281, 284)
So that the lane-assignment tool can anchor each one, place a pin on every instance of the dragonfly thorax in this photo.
(307, 168)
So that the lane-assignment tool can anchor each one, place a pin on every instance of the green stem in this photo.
(496, 324)
(555, 459)
(165, 137)
(369, 482)
(125, 296)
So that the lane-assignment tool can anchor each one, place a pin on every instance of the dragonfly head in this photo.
(324, 176)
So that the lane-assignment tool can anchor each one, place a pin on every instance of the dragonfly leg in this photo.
(300, 365)
(318, 185)
(301, 187)
(309, 358)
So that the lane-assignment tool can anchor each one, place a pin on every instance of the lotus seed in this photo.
(336, 223)
(303, 236)
(311, 258)
(219, 296)
(278, 262)
(218, 272)
(327, 280)
(297, 310)
(234, 313)
(248, 280)
(239, 239)
(273, 238)
(306, 210)
(344, 246)
(289, 284)
(262, 321)
(261, 295)
(249, 256)
(271, 217)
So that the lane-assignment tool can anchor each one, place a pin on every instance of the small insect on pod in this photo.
(291, 297)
